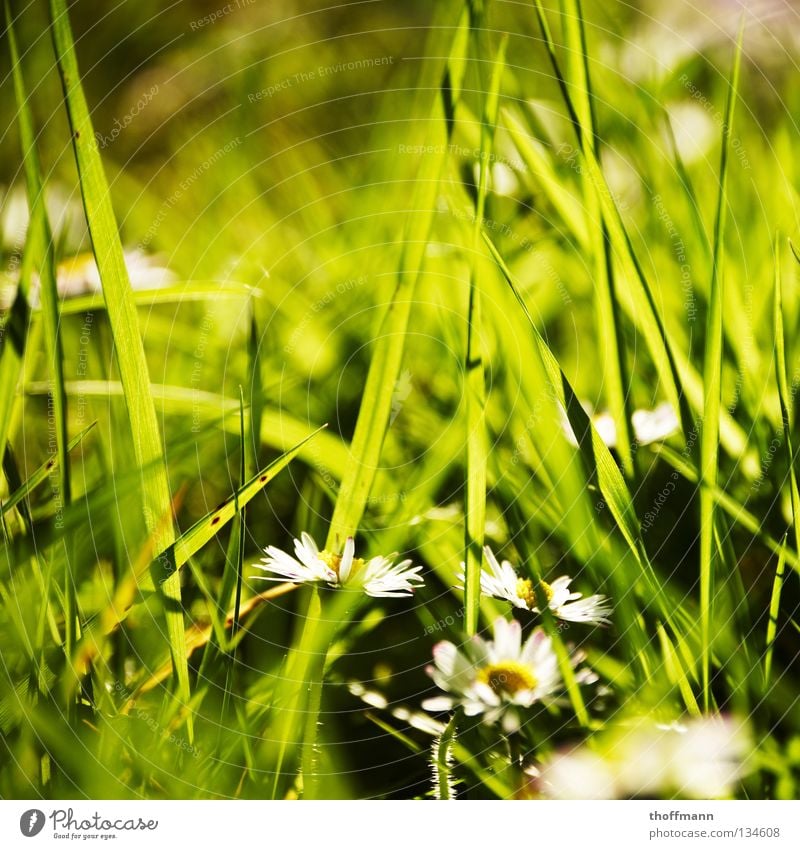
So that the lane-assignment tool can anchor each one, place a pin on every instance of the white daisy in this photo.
(502, 581)
(379, 576)
(497, 678)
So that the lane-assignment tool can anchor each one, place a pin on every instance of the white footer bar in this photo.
(395, 824)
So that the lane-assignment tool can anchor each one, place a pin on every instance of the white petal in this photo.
(438, 704)
(347, 560)
(507, 638)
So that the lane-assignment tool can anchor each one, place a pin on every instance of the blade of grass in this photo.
(676, 673)
(376, 405)
(596, 454)
(785, 400)
(540, 165)
(177, 293)
(107, 249)
(12, 348)
(477, 438)
(785, 396)
(305, 664)
(652, 326)
(239, 535)
(41, 238)
(39, 475)
(712, 385)
(608, 317)
(189, 542)
(179, 553)
(230, 577)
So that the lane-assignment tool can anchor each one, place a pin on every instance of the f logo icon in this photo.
(31, 822)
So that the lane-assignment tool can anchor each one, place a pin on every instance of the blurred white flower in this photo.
(648, 426)
(79, 275)
(379, 576)
(694, 130)
(502, 581)
(497, 678)
(578, 774)
(504, 180)
(655, 425)
(700, 759)
(707, 758)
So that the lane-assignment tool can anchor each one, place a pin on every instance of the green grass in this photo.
(395, 285)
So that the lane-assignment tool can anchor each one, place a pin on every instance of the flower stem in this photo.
(328, 620)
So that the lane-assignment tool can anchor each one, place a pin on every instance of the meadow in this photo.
(397, 400)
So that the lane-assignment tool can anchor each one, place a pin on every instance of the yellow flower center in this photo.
(527, 593)
(507, 677)
(334, 561)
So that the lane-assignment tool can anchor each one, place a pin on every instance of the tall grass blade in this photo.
(712, 385)
(238, 554)
(305, 665)
(477, 438)
(387, 354)
(608, 316)
(41, 239)
(652, 326)
(785, 396)
(596, 455)
(107, 248)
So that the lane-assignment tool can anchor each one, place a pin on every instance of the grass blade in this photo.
(305, 664)
(376, 404)
(177, 293)
(206, 528)
(648, 316)
(41, 239)
(785, 395)
(608, 316)
(12, 348)
(598, 458)
(712, 385)
(774, 610)
(107, 249)
(477, 438)
(39, 475)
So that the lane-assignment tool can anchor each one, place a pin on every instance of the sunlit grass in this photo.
(397, 300)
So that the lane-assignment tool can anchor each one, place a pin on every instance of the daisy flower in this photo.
(497, 678)
(502, 581)
(379, 576)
